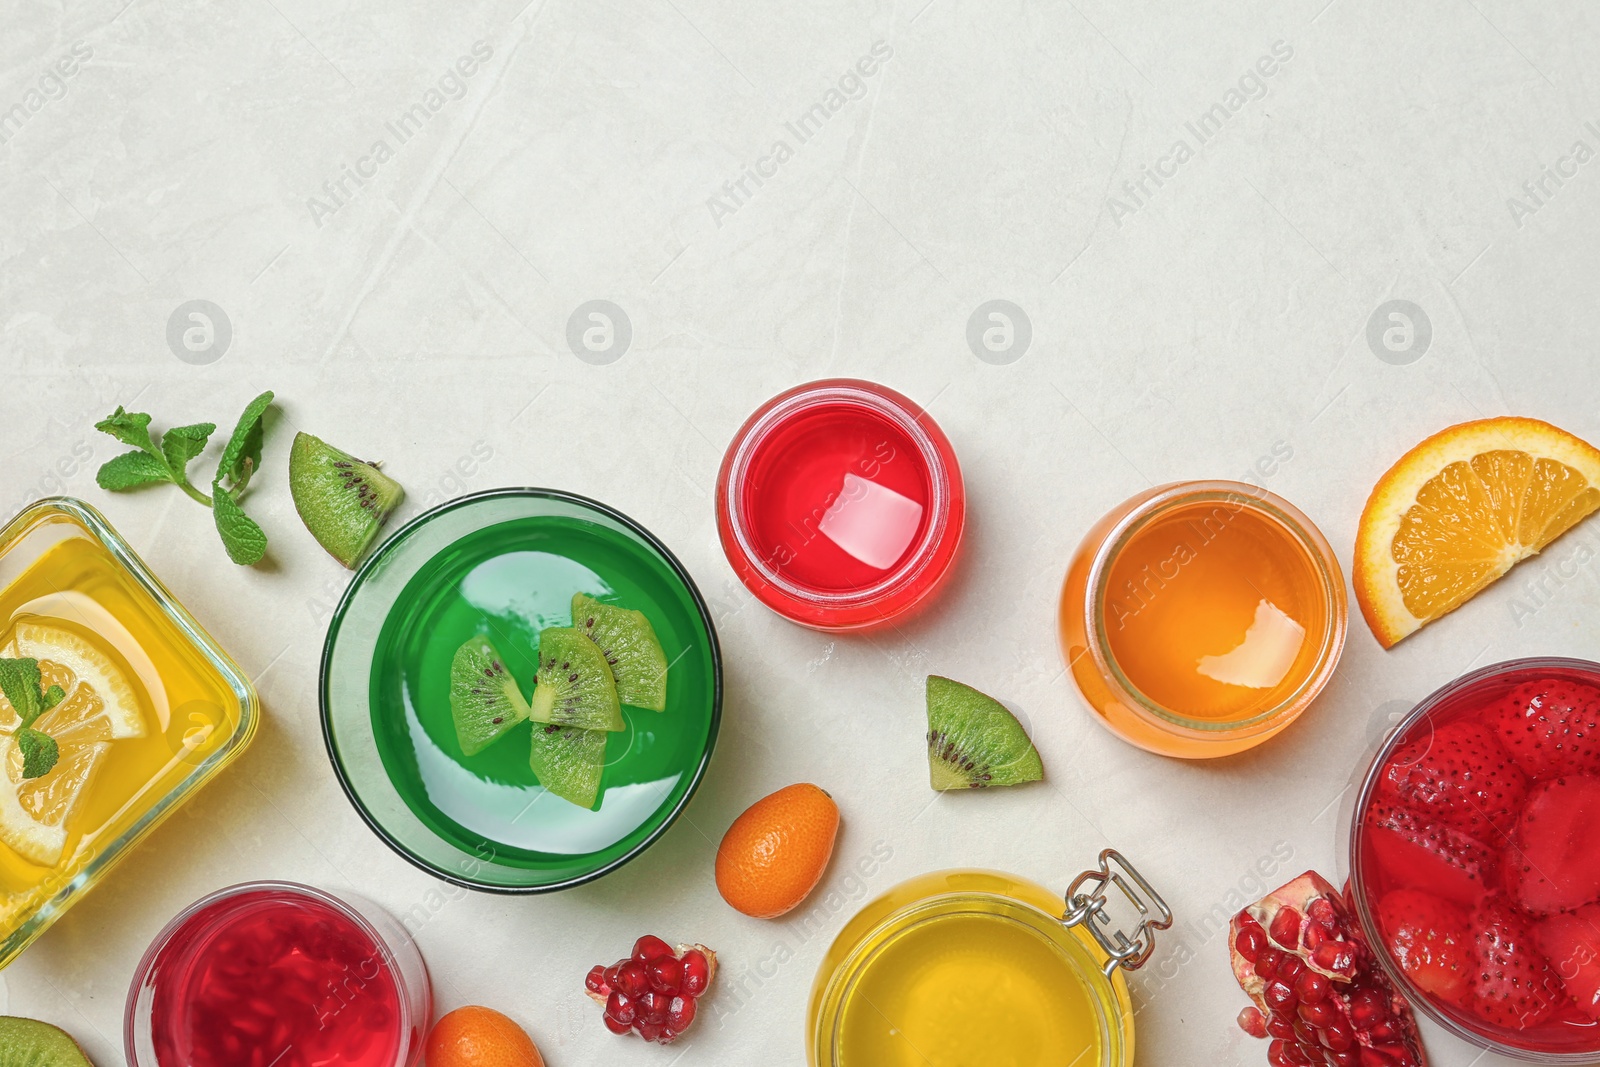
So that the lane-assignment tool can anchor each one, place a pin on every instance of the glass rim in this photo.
(325, 710)
(907, 416)
(283, 890)
(1358, 881)
(1335, 605)
(233, 677)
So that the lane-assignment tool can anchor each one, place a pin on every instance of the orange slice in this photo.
(1462, 508)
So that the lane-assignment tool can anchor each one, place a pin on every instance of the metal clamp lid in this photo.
(1124, 949)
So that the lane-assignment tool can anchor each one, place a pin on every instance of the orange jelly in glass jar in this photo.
(1199, 619)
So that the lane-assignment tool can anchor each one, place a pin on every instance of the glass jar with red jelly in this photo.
(1475, 858)
(274, 974)
(840, 505)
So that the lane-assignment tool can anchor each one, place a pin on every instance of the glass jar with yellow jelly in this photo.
(963, 967)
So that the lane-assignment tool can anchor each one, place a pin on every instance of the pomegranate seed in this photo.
(1372, 1058)
(1278, 1054)
(1323, 914)
(680, 1013)
(1290, 970)
(609, 975)
(1338, 1036)
(1367, 1009)
(619, 1006)
(1267, 963)
(1303, 1032)
(1384, 1031)
(1312, 987)
(1250, 942)
(650, 1031)
(1285, 928)
(1320, 1014)
(614, 1026)
(595, 981)
(1315, 935)
(632, 979)
(1346, 1058)
(1279, 994)
(1336, 956)
(650, 947)
(1279, 1026)
(1252, 1022)
(696, 973)
(666, 975)
(653, 1008)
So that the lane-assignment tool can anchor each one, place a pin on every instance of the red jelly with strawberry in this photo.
(1475, 858)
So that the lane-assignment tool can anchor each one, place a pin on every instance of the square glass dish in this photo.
(149, 708)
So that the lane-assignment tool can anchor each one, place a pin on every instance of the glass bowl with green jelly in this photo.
(507, 562)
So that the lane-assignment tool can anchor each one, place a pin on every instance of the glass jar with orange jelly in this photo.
(1200, 618)
(987, 968)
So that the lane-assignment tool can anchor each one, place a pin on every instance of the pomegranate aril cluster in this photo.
(653, 992)
(1318, 996)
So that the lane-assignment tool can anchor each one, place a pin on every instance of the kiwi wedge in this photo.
(974, 742)
(575, 685)
(568, 761)
(628, 643)
(484, 699)
(343, 501)
(27, 1043)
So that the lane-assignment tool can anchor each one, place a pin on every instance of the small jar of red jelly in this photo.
(840, 504)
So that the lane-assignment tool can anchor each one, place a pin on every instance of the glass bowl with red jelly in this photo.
(1475, 858)
(274, 974)
(840, 504)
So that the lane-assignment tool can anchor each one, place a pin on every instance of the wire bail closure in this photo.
(1123, 949)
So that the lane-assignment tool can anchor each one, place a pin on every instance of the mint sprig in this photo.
(23, 687)
(149, 464)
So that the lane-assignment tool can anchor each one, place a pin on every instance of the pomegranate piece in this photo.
(1513, 985)
(1430, 940)
(1427, 854)
(1461, 775)
(1557, 867)
(1300, 955)
(1551, 727)
(653, 991)
(1571, 943)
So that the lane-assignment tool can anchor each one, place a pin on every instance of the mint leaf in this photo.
(53, 696)
(182, 443)
(131, 470)
(243, 539)
(19, 681)
(39, 752)
(243, 454)
(129, 427)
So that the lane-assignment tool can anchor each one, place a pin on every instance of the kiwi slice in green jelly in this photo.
(568, 761)
(343, 501)
(974, 742)
(484, 699)
(628, 643)
(27, 1043)
(575, 686)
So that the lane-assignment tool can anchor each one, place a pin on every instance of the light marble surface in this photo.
(420, 314)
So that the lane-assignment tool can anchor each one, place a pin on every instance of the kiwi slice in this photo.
(343, 501)
(484, 699)
(628, 643)
(27, 1043)
(575, 687)
(568, 761)
(974, 742)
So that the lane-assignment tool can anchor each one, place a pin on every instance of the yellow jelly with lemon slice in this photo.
(144, 709)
